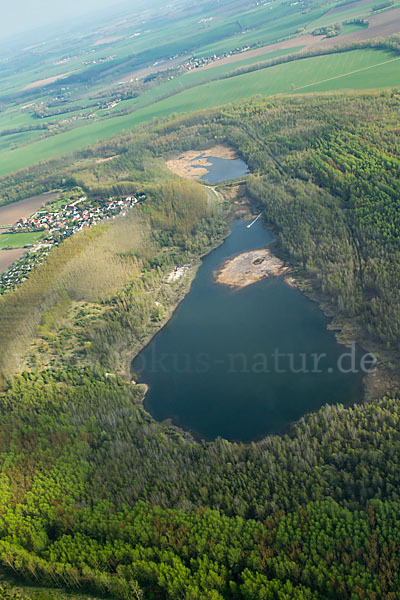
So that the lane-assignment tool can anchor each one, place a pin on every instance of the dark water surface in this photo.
(222, 169)
(207, 369)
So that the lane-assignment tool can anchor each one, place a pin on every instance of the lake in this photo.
(240, 363)
(222, 169)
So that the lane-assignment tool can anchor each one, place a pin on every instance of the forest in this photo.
(99, 499)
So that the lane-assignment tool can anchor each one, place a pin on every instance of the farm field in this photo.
(8, 257)
(352, 27)
(369, 69)
(278, 26)
(133, 63)
(10, 213)
(344, 13)
(200, 76)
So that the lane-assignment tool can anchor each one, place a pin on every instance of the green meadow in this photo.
(201, 76)
(349, 11)
(357, 69)
(351, 27)
(19, 240)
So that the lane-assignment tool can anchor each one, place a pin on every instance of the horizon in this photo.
(22, 17)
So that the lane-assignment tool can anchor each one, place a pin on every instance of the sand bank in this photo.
(193, 163)
(249, 267)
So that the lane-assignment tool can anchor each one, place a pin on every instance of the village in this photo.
(57, 224)
(196, 62)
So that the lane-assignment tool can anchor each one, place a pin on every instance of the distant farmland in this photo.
(356, 69)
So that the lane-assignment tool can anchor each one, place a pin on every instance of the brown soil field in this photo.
(186, 166)
(381, 25)
(8, 257)
(249, 267)
(337, 9)
(10, 213)
(297, 41)
(43, 82)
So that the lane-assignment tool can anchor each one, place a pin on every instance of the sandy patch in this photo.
(193, 163)
(291, 282)
(104, 160)
(177, 273)
(107, 40)
(43, 82)
(249, 267)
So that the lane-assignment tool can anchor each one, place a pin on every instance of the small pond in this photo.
(222, 169)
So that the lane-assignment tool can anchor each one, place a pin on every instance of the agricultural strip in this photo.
(279, 79)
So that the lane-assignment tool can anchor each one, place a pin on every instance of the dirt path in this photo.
(43, 82)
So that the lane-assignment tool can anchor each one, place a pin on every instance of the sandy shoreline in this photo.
(193, 163)
(249, 267)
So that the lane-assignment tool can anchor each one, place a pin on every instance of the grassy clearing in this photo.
(352, 27)
(38, 592)
(19, 240)
(357, 69)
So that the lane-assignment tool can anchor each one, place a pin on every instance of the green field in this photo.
(357, 69)
(350, 11)
(278, 23)
(51, 120)
(351, 27)
(19, 240)
(200, 76)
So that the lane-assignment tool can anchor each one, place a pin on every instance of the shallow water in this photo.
(222, 169)
(225, 364)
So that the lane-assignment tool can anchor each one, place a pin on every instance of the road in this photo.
(214, 196)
